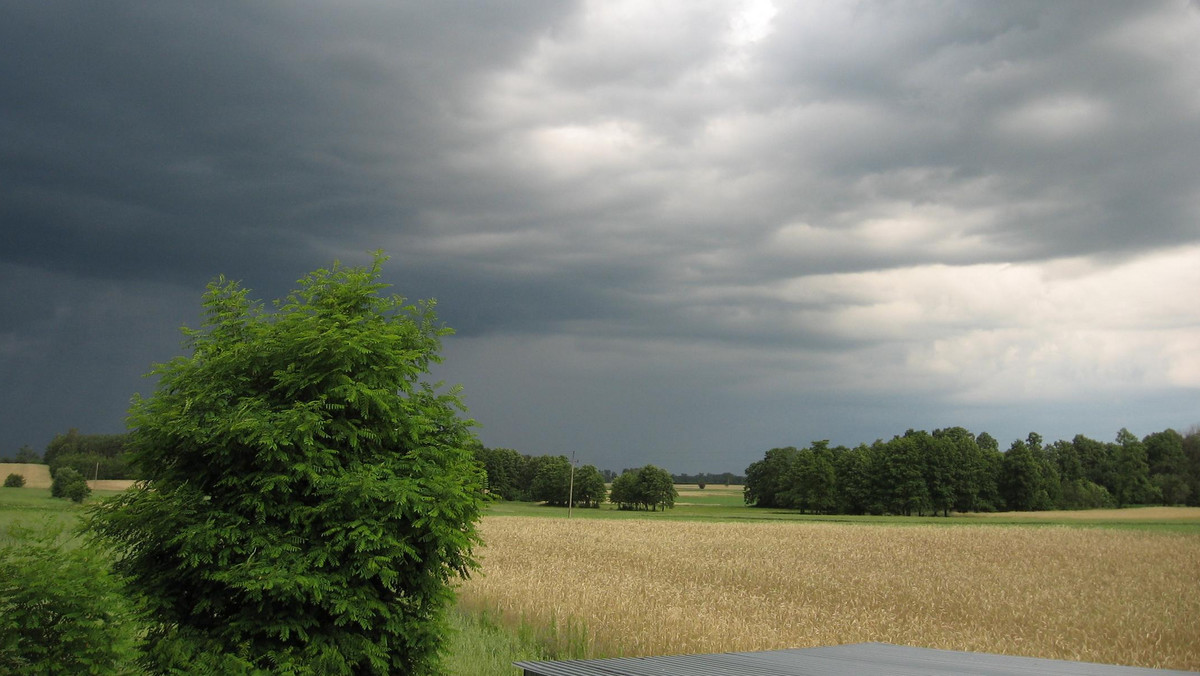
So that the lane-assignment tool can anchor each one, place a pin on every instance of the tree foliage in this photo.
(69, 484)
(649, 488)
(540, 478)
(24, 455)
(952, 469)
(99, 456)
(309, 497)
(61, 611)
(14, 481)
(589, 490)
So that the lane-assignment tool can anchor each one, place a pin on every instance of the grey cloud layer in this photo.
(761, 189)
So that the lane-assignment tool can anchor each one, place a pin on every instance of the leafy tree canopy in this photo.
(310, 498)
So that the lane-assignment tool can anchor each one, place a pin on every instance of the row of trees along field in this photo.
(94, 456)
(954, 470)
(706, 478)
(547, 478)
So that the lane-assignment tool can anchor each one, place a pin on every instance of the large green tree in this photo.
(310, 497)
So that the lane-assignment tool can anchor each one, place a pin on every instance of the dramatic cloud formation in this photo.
(671, 232)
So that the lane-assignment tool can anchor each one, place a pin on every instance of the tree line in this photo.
(93, 456)
(514, 476)
(706, 478)
(954, 470)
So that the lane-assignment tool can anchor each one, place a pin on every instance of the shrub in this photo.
(309, 498)
(69, 484)
(61, 611)
(14, 481)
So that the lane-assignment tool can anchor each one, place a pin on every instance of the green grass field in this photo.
(34, 508)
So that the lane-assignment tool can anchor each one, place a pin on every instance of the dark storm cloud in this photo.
(146, 139)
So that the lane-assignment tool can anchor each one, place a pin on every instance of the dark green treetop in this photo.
(309, 497)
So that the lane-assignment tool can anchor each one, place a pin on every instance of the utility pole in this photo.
(571, 487)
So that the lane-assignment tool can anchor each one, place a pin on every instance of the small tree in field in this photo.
(14, 481)
(70, 484)
(309, 498)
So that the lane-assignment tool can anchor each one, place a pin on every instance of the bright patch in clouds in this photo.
(1056, 118)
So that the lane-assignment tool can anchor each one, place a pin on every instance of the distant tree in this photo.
(968, 470)
(310, 498)
(1164, 452)
(99, 456)
(61, 444)
(1077, 491)
(624, 490)
(941, 470)
(1168, 466)
(25, 455)
(1097, 461)
(552, 481)
(810, 483)
(855, 487)
(648, 488)
(503, 468)
(766, 479)
(589, 490)
(656, 488)
(1066, 459)
(1191, 465)
(1049, 489)
(1020, 478)
(1131, 471)
(69, 484)
(987, 442)
(14, 481)
(904, 472)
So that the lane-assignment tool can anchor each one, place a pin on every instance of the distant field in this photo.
(691, 494)
(36, 476)
(662, 586)
(34, 508)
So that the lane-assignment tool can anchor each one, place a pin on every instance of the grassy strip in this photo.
(1156, 519)
(482, 646)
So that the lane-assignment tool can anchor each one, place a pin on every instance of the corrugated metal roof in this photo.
(855, 659)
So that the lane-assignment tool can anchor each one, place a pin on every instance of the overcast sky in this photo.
(670, 232)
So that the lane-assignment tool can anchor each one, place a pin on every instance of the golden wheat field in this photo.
(640, 587)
